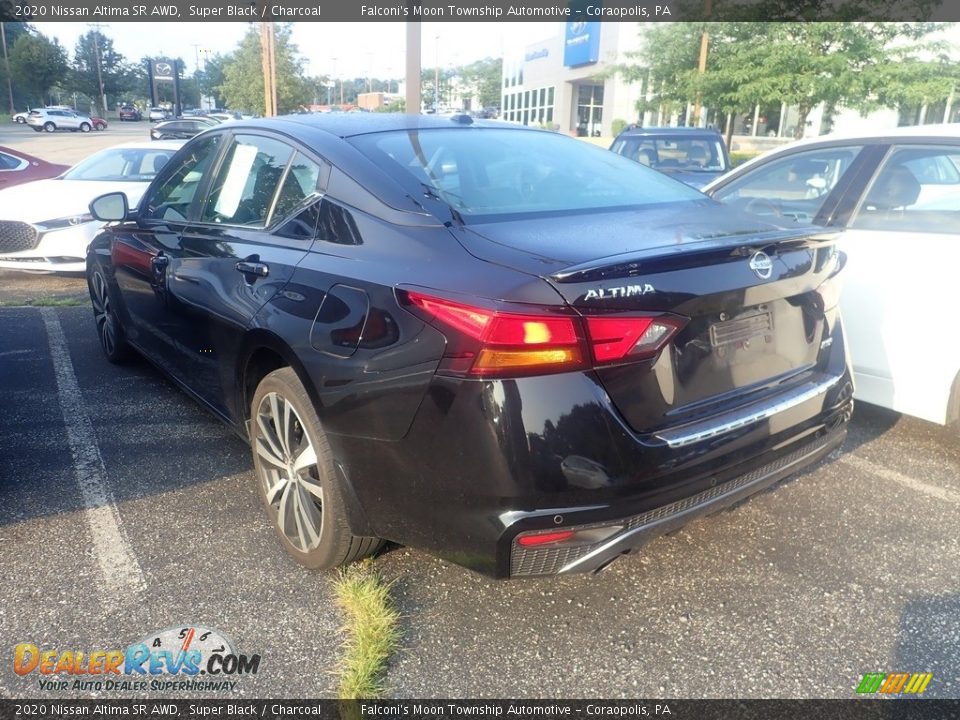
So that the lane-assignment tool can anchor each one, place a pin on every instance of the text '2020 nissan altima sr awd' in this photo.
(501, 345)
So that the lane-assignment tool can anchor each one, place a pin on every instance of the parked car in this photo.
(157, 114)
(181, 128)
(20, 118)
(692, 155)
(52, 120)
(46, 225)
(129, 113)
(418, 321)
(896, 196)
(18, 167)
(98, 122)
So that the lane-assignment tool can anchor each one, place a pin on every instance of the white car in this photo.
(157, 114)
(896, 196)
(20, 118)
(46, 225)
(53, 119)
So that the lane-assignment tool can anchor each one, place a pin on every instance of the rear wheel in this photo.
(21, 120)
(100, 126)
(84, 127)
(296, 477)
(49, 127)
(109, 330)
(37, 129)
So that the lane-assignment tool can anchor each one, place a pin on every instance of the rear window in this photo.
(488, 173)
(678, 154)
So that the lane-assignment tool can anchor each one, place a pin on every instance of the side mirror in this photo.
(110, 207)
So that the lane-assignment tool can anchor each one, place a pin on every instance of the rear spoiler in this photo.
(661, 258)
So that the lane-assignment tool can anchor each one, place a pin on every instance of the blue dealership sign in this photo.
(581, 43)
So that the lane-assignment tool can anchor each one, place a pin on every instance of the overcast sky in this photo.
(360, 49)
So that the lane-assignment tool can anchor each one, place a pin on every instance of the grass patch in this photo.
(371, 628)
(44, 302)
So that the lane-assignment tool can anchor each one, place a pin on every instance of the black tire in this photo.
(49, 127)
(37, 129)
(113, 340)
(85, 127)
(21, 121)
(334, 545)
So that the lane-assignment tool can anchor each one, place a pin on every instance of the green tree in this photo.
(242, 86)
(36, 65)
(211, 78)
(483, 79)
(113, 69)
(802, 64)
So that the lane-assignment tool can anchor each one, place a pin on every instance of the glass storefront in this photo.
(589, 109)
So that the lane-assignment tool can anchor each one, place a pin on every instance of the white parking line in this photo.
(932, 490)
(114, 554)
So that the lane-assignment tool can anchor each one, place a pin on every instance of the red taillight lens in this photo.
(616, 339)
(544, 538)
(493, 343)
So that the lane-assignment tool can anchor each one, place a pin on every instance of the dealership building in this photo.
(569, 83)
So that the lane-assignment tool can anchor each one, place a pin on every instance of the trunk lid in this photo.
(750, 294)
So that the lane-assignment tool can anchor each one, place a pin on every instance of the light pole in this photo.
(436, 77)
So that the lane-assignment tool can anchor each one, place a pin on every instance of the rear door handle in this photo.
(248, 267)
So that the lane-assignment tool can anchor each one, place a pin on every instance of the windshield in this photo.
(121, 165)
(496, 172)
(674, 154)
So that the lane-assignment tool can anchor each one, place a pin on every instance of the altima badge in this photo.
(619, 292)
(762, 265)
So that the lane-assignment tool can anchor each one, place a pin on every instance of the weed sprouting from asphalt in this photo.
(371, 628)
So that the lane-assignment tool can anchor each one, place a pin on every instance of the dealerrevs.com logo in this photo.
(191, 658)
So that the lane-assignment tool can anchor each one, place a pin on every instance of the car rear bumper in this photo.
(641, 528)
(486, 462)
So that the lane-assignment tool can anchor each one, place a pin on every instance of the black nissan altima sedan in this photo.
(504, 346)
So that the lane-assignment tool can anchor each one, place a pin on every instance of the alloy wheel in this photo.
(288, 472)
(103, 314)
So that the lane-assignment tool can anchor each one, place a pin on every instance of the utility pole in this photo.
(6, 61)
(268, 60)
(413, 89)
(96, 49)
(436, 77)
(702, 64)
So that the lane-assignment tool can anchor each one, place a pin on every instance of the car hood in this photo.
(694, 178)
(51, 199)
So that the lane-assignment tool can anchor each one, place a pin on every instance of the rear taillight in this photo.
(489, 343)
(618, 339)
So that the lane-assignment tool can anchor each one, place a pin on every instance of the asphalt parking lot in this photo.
(70, 147)
(126, 509)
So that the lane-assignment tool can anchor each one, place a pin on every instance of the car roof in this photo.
(350, 124)
(948, 130)
(669, 131)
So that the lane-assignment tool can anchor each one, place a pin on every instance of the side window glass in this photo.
(917, 190)
(301, 183)
(336, 225)
(790, 189)
(244, 189)
(171, 199)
